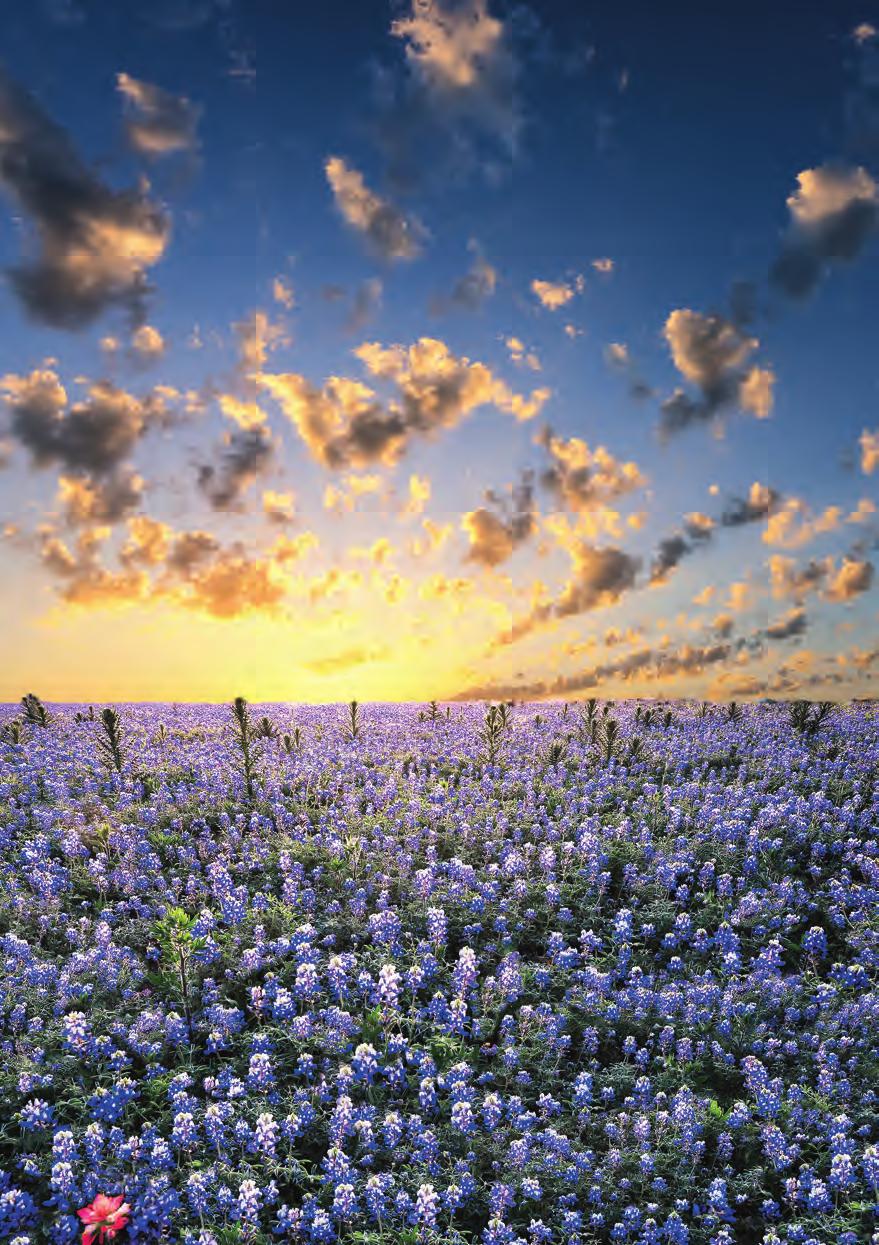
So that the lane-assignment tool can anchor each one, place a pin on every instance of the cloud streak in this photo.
(386, 229)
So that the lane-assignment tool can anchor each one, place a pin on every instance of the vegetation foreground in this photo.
(526, 975)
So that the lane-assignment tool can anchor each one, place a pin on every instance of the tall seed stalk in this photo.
(244, 736)
(110, 739)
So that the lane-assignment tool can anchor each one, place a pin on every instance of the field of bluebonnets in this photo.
(535, 974)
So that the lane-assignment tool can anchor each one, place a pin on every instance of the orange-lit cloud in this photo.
(345, 424)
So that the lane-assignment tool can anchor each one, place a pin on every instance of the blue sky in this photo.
(640, 163)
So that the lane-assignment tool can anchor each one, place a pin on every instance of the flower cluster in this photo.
(384, 990)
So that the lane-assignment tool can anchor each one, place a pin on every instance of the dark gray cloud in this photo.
(496, 531)
(93, 436)
(834, 214)
(648, 663)
(791, 625)
(599, 577)
(93, 244)
(189, 551)
(472, 290)
(583, 479)
(670, 552)
(714, 355)
(244, 456)
(759, 504)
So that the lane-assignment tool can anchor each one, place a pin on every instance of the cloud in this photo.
(494, 537)
(714, 355)
(256, 337)
(791, 624)
(760, 503)
(189, 551)
(246, 415)
(787, 579)
(94, 245)
(148, 542)
(869, 443)
(346, 425)
(197, 573)
(233, 584)
(740, 596)
(853, 577)
(599, 577)
(471, 291)
(244, 456)
(106, 501)
(159, 123)
(672, 549)
(365, 304)
(862, 513)
(437, 389)
(722, 625)
(84, 581)
(521, 356)
(435, 537)
(93, 436)
(834, 212)
(755, 392)
(387, 230)
(347, 659)
(282, 292)
(556, 294)
(583, 479)
(449, 46)
(419, 494)
(278, 507)
(460, 97)
(698, 529)
(850, 579)
(618, 357)
(343, 424)
(645, 663)
(147, 344)
(791, 526)
(346, 495)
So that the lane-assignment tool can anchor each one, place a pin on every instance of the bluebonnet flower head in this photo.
(543, 994)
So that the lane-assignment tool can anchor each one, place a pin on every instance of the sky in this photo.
(439, 349)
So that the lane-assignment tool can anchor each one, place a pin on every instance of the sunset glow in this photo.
(454, 350)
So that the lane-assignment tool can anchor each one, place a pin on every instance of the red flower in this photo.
(105, 1217)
